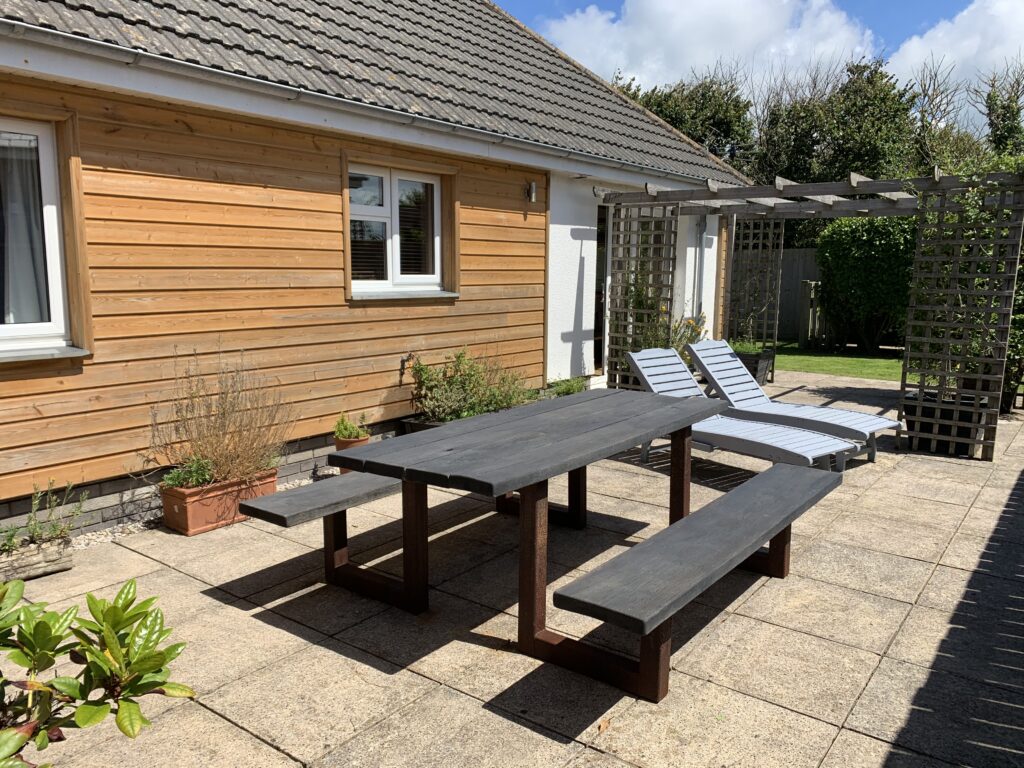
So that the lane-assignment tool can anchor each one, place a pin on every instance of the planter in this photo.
(412, 424)
(760, 364)
(929, 409)
(34, 560)
(197, 510)
(344, 443)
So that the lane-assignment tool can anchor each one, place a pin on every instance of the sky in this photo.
(660, 41)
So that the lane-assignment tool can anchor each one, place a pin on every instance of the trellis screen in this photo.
(958, 322)
(755, 281)
(643, 248)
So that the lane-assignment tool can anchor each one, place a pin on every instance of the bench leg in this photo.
(655, 661)
(409, 592)
(774, 562)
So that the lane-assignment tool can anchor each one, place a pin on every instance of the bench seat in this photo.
(642, 588)
(319, 499)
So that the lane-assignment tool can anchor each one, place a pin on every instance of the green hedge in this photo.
(865, 279)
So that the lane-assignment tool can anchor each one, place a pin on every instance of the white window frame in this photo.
(388, 214)
(17, 336)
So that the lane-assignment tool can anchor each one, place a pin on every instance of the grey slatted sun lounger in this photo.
(663, 372)
(733, 383)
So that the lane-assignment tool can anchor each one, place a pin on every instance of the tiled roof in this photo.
(463, 62)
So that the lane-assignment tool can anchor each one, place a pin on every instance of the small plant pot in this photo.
(760, 364)
(344, 443)
(197, 510)
(34, 560)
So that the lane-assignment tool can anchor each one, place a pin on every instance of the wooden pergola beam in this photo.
(857, 179)
(811, 209)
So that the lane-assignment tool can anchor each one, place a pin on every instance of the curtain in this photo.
(22, 250)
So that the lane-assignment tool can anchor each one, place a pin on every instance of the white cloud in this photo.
(661, 41)
(978, 39)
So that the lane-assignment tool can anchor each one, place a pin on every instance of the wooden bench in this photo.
(330, 499)
(641, 589)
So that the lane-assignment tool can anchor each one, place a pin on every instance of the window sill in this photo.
(404, 295)
(44, 353)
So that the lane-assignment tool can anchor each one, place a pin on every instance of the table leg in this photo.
(533, 563)
(679, 479)
(414, 544)
(576, 514)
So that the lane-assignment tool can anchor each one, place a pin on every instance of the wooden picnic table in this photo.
(516, 452)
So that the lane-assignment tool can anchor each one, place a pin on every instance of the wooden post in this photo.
(679, 477)
(655, 661)
(533, 563)
(335, 545)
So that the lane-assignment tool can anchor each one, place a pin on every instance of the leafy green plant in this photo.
(194, 472)
(120, 655)
(52, 516)
(564, 387)
(674, 335)
(346, 429)
(464, 387)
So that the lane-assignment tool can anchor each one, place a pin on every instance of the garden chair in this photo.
(731, 381)
(663, 372)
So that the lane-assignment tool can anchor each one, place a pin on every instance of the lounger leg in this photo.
(824, 462)
(655, 660)
(840, 463)
(645, 452)
(872, 447)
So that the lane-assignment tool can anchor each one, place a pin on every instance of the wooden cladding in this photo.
(198, 233)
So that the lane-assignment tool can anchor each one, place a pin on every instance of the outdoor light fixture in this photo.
(531, 192)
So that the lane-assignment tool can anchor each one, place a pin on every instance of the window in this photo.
(31, 265)
(395, 230)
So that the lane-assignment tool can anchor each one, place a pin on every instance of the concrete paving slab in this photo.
(991, 556)
(94, 568)
(445, 729)
(908, 509)
(948, 717)
(307, 723)
(899, 578)
(703, 725)
(798, 671)
(885, 534)
(855, 750)
(829, 611)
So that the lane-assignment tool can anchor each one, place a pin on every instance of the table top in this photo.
(501, 452)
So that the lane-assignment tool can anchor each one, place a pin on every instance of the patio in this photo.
(891, 643)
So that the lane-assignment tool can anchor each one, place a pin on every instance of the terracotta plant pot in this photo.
(197, 510)
(344, 443)
(34, 560)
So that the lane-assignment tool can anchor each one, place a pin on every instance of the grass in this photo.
(885, 366)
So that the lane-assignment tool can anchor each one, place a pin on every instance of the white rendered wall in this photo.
(696, 270)
(572, 265)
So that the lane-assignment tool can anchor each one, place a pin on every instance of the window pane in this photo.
(22, 254)
(416, 227)
(369, 250)
(364, 189)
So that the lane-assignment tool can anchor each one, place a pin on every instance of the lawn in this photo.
(886, 365)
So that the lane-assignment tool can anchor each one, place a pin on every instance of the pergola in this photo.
(962, 287)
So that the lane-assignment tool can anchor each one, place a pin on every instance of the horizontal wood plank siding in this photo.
(215, 236)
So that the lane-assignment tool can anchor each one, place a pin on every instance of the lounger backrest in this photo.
(663, 372)
(727, 374)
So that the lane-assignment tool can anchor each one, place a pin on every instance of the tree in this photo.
(943, 136)
(709, 108)
(999, 97)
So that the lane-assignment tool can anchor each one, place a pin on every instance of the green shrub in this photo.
(97, 666)
(670, 335)
(346, 429)
(463, 387)
(565, 387)
(194, 472)
(865, 278)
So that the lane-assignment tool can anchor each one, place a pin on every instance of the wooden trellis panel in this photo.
(756, 280)
(958, 322)
(643, 255)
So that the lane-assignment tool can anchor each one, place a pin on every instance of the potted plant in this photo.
(348, 434)
(223, 435)
(43, 544)
(73, 672)
(460, 388)
(757, 359)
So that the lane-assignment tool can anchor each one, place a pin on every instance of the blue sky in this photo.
(659, 41)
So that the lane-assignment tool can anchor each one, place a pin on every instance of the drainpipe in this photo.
(697, 303)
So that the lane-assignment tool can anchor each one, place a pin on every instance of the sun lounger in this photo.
(731, 381)
(663, 372)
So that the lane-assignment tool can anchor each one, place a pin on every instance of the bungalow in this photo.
(328, 186)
